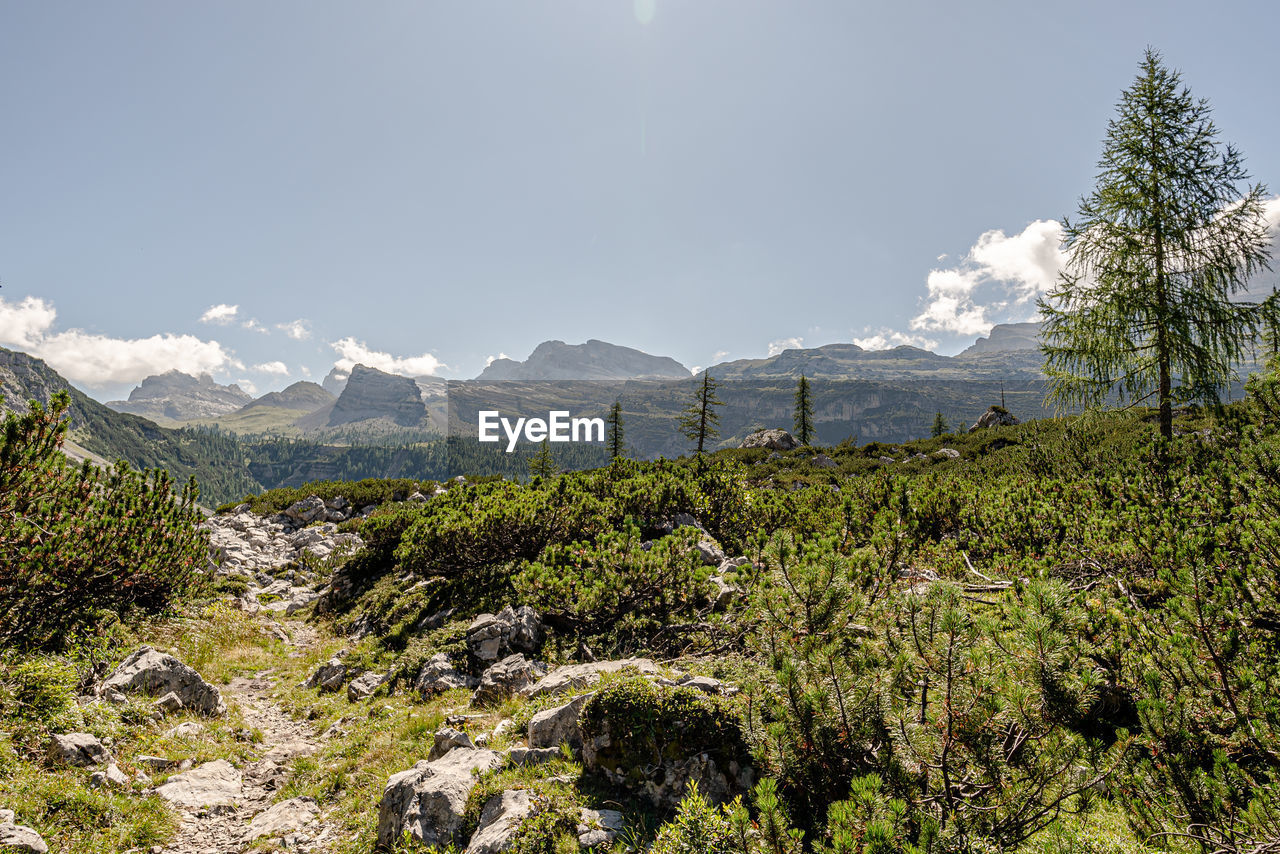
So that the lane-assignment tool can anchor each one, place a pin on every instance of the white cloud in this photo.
(1002, 274)
(884, 339)
(776, 347)
(279, 368)
(355, 352)
(220, 314)
(98, 360)
(253, 325)
(719, 355)
(298, 330)
(247, 386)
(24, 324)
(489, 360)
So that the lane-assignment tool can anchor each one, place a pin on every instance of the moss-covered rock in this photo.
(655, 740)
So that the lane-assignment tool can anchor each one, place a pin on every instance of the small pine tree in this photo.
(543, 464)
(940, 426)
(804, 411)
(614, 440)
(700, 421)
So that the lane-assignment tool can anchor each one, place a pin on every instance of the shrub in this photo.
(77, 545)
(698, 828)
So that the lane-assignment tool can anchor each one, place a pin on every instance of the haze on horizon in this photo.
(265, 191)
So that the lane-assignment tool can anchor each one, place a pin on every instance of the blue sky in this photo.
(424, 185)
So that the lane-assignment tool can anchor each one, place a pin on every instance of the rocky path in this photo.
(224, 808)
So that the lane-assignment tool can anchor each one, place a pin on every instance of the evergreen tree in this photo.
(1144, 304)
(543, 464)
(940, 426)
(700, 421)
(804, 411)
(614, 441)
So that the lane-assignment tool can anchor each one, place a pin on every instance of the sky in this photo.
(266, 190)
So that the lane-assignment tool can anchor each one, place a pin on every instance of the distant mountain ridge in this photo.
(593, 360)
(175, 396)
(1006, 337)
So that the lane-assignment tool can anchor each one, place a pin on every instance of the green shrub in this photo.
(80, 544)
(698, 828)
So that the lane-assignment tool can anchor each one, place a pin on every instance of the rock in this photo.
(447, 739)
(306, 511)
(363, 687)
(822, 461)
(169, 703)
(329, 676)
(710, 552)
(725, 593)
(19, 838)
(510, 676)
(552, 727)
(511, 630)
(438, 675)
(706, 685)
(947, 453)
(417, 497)
(571, 677)
(299, 601)
(428, 799)
(533, 755)
(283, 818)
(153, 672)
(211, 784)
(525, 631)
(995, 416)
(598, 828)
(484, 637)
(78, 748)
(777, 440)
(500, 819)
(112, 776)
(887, 460)
(157, 763)
(190, 729)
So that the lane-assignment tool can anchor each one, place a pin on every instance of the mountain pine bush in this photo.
(80, 546)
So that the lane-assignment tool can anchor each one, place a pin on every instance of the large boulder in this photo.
(211, 784)
(439, 675)
(510, 676)
(500, 821)
(995, 416)
(598, 828)
(572, 677)
(77, 748)
(448, 738)
(774, 440)
(428, 799)
(553, 727)
(156, 673)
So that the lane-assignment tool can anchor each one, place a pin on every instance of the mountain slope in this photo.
(594, 360)
(213, 459)
(898, 364)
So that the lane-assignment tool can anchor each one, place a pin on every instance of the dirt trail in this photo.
(223, 829)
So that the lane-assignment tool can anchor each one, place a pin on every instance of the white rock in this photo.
(78, 748)
(211, 784)
(428, 799)
(571, 677)
(500, 820)
(156, 673)
(283, 818)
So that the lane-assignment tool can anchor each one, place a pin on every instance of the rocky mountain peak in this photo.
(176, 396)
(592, 360)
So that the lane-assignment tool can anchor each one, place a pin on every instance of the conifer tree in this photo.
(614, 440)
(940, 426)
(804, 411)
(543, 464)
(700, 421)
(1157, 250)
